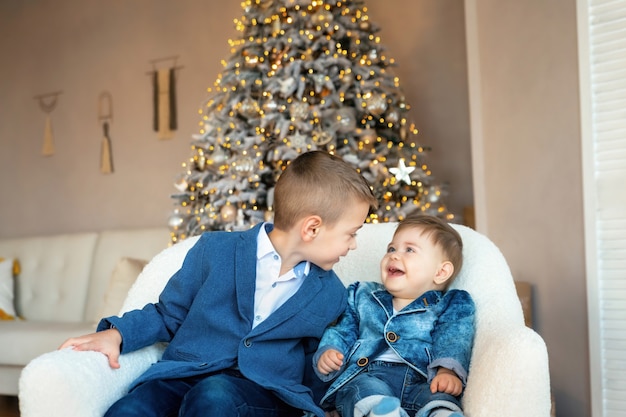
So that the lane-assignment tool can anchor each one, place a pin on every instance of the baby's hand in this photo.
(446, 381)
(106, 342)
(331, 360)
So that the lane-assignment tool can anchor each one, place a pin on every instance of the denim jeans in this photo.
(396, 380)
(226, 394)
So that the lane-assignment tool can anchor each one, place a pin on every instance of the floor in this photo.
(8, 406)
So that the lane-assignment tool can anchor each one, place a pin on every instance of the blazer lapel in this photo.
(245, 273)
(310, 288)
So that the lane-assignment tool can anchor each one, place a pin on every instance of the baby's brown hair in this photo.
(441, 234)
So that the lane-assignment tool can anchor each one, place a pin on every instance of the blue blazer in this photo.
(206, 310)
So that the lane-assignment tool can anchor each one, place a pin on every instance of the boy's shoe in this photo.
(387, 407)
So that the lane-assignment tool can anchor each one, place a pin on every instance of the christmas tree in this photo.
(304, 75)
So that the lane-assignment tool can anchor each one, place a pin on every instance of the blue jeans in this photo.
(226, 394)
(395, 380)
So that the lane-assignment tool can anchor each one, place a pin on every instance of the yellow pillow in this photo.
(8, 267)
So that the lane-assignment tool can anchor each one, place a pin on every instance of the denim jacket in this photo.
(436, 329)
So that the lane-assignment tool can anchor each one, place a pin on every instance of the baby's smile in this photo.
(394, 271)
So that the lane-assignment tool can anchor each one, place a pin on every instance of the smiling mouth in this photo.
(393, 271)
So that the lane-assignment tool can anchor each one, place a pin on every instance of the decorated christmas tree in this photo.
(304, 75)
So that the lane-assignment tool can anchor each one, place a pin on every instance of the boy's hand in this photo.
(331, 360)
(106, 342)
(446, 381)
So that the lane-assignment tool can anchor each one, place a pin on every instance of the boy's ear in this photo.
(444, 272)
(310, 227)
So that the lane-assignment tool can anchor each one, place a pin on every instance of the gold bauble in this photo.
(376, 104)
(248, 108)
(228, 212)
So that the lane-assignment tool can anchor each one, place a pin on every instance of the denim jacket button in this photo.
(362, 362)
(247, 343)
(392, 337)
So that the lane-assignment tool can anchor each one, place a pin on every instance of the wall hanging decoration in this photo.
(164, 96)
(105, 116)
(47, 103)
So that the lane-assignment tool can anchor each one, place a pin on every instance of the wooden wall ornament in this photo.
(105, 116)
(164, 97)
(47, 103)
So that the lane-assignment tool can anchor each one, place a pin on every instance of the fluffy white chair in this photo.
(508, 375)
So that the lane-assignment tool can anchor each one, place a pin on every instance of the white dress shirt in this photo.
(273, 290)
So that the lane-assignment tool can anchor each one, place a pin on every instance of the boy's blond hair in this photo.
(441, 234)
(318, 183)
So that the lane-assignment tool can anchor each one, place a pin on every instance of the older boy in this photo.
(246, 310)
(403, 347)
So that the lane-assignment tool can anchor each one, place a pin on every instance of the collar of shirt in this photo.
(267, 255)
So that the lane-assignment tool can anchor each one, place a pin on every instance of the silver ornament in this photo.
(243, 166)
(392, 116)
(270, 106)
(299, 110)
(181, 184)
(218, 156)
(298, 141)
(175, 221)
(345, 120)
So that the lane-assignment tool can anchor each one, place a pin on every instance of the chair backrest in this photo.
(487, 277)
(485, 273)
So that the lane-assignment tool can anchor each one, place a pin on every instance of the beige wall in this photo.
(525, 123)
(84, 48)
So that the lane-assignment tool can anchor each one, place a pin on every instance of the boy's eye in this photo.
(391, 249)
(410, 250)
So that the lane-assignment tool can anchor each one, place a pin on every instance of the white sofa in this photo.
(508, 374)
(60, 290)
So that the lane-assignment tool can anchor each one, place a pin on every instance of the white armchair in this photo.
(508, 375)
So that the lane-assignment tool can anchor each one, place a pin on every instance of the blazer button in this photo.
(392, 337)
(247, 343)
(362, 362)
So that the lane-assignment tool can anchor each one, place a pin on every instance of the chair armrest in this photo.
(58, 383)
(508, 375)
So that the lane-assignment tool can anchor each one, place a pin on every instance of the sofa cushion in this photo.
(123, 277)
(27, 339)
